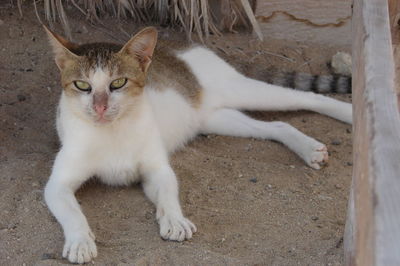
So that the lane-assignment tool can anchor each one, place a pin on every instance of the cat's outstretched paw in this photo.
(318, 156)
(176, 228)
(80, 248)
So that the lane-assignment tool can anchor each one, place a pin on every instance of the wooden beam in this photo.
(394, 17)
(372, 235)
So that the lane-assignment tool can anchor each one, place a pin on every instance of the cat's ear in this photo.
(142, 46)
(62, 48)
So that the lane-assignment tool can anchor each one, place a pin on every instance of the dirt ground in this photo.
(254, 202)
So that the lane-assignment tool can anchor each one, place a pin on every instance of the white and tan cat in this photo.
(124, 108)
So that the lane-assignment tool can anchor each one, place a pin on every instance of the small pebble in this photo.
(48, 256)
(338, 186)
(21, 97)
(148, 215)
(336, 142)
(349, 163)
(253, 180)
(292, 166)
(314, 218)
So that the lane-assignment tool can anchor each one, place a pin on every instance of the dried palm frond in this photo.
(200, 16)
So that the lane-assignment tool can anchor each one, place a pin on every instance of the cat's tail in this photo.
(306, 82)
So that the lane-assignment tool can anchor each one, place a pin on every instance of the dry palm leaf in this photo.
(192, 15)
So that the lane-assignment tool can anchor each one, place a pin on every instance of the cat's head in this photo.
(102, 81)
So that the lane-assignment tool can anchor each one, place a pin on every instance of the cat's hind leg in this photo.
(231, 122)
(245, 93)
(227, 88)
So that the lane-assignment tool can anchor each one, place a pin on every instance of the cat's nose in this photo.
(100, 101)
(100, 109)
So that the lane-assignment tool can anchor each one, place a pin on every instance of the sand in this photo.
(254, 202)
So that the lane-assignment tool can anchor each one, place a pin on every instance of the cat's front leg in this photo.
(161, 187)
(67, 176)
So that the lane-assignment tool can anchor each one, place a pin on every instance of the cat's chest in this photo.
(118, 167)
(116, 160)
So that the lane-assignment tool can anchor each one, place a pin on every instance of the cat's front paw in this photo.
(80, 247)
(318, 156)
(176, 227)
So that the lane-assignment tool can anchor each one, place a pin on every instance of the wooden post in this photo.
(372, 235)
(394, 16)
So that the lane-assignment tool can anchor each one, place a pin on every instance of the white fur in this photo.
(136, 145)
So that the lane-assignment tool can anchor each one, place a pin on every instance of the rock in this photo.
(253, 180)
(336, 142)
(338, 186)
(341, 63)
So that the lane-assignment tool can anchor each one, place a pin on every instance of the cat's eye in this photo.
(82, 85)
(118, 83)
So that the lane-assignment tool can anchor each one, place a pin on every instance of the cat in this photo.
(123, 109)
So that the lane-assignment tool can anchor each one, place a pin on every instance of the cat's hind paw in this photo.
(176, 228)
(80, 248)
(318, 156)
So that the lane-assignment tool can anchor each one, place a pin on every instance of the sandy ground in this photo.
(254, 202)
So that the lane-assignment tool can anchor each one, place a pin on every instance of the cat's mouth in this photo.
(103, 117)
(103, 120)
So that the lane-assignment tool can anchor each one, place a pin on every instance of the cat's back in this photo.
(168, 71)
